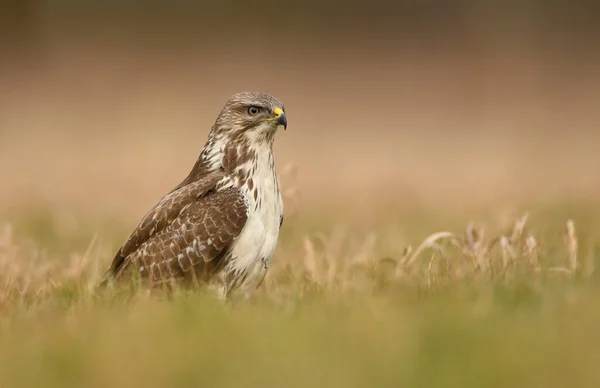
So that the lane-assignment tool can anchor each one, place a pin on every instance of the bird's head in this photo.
(251, 115)
(247, 124)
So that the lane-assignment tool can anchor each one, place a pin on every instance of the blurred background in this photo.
(440, 104)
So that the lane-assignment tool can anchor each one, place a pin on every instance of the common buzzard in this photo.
(220, 225)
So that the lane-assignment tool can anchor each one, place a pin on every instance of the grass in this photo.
(438, 289)
(485, 304)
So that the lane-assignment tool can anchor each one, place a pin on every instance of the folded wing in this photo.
(186, 235)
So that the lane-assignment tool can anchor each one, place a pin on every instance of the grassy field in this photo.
(428, 241)
(514, 306)
(410, 297)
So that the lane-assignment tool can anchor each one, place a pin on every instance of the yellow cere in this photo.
(277, 112)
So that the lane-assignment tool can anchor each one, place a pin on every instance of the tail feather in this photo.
(114, 269)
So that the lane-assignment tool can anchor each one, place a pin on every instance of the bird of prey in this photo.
(218, 227)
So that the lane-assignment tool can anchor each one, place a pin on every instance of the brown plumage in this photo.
(217, 225)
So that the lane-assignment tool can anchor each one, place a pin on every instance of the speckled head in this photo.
(251, 111)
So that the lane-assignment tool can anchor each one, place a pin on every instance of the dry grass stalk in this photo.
(310, 263)
(518, 229)
(531, 252)
(336, 259)
(430, 242)
(430, 275)
(572, 245)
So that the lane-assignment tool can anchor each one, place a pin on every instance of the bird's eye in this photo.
(253, 110)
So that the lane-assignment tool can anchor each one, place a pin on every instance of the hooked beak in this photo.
(280, 117)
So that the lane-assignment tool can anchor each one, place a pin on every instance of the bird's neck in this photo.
(243, 159)
(236, 155)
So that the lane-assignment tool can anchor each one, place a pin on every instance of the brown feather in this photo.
(190, 226)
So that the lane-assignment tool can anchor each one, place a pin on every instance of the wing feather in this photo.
(190, 228)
